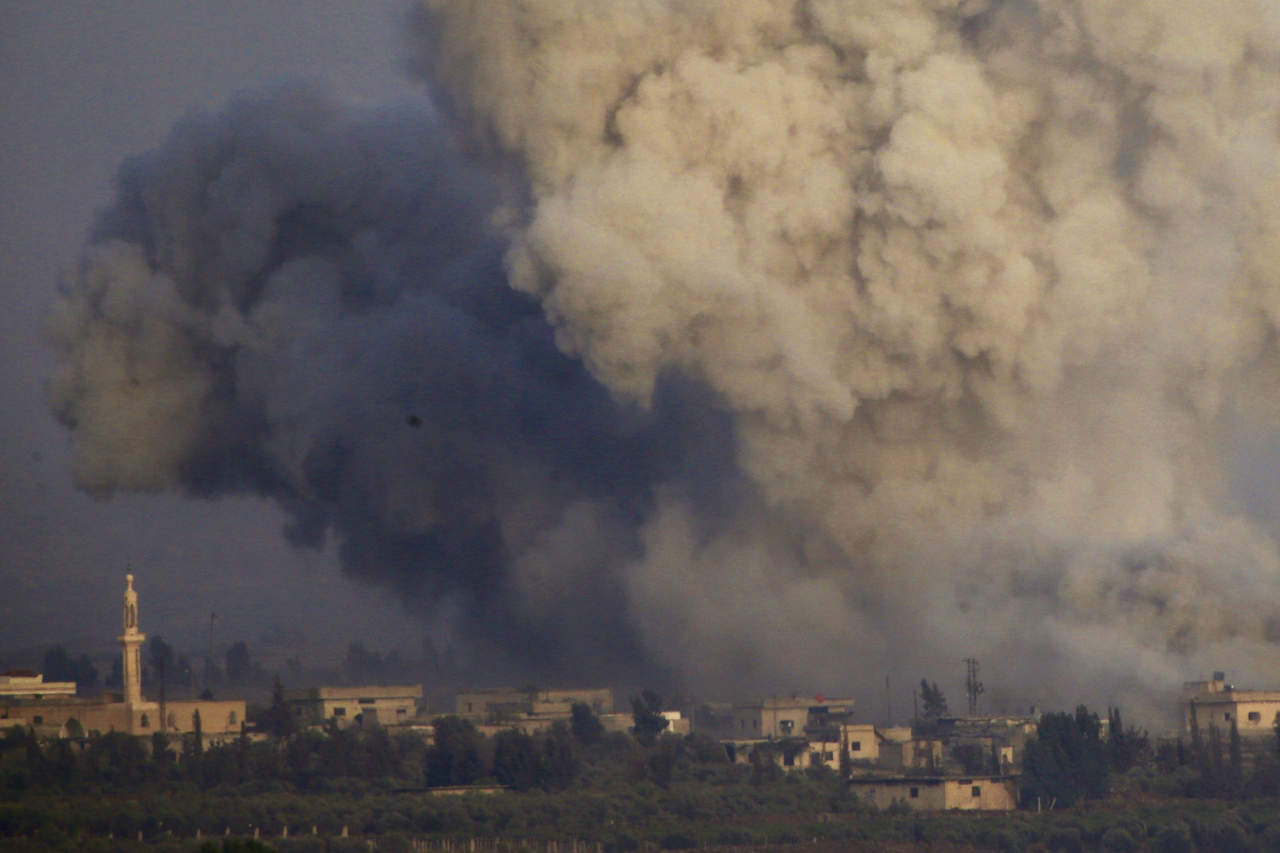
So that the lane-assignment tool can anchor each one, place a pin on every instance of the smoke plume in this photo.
(757, 342)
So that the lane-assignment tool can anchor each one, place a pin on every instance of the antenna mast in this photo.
(973, 687)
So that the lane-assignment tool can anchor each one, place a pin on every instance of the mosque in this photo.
(47, 707)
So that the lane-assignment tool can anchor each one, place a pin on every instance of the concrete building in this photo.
(1218, 704)
(506, 704)
(25, 684)
(939, 793)
(775, 718)
(862, 742)
(64, 715)
(366, 705)
(1003, 736)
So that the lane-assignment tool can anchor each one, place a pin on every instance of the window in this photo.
(856, 746)
(339, 712)
(400, 712)
(231, 718)
(976, 791)
(915, 793)
(787, 726)
(38, 719)
(145, 721)
(789, 760)
(365, 701)
(828, 756)
(1227, 716)
(1255, 717)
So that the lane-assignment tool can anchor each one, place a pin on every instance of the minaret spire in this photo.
(131, 645)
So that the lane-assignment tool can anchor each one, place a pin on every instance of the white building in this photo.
(1217, 704)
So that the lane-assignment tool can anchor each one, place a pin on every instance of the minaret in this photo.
(131, 646)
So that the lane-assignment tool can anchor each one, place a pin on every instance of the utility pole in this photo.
(973, 687)
(208, 662)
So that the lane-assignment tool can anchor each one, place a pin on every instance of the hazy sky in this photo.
(87, 84)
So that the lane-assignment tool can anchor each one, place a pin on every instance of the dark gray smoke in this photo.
(303, 300)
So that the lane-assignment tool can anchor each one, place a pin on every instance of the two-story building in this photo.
(1217, 704)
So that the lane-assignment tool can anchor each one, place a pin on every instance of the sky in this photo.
(88, 84)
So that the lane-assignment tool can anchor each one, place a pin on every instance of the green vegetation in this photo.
(608, 791)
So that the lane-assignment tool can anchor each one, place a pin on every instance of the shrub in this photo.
(1118, 840)
(1066, 839)
(1172, 839)
(682, 840)
(1006, 841)
(734, 837)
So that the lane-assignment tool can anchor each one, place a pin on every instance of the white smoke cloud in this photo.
(987, 286)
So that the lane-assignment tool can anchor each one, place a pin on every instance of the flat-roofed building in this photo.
(1217, 704)
(510, 704)
(775, 717)
(364, 705)
(939, 793)
(25, 684)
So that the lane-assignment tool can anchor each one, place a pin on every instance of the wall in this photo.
(934, 794)
(1220, 710)
(994, 794)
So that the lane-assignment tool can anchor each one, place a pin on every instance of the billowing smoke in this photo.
(304, 300)
(820, 337)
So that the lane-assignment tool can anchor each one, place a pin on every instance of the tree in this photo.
(517, 761)
(454, 758)
(1126, 747)
(161, 662)
(59, 666)
(161, 654)
(278, 720)
(1067, 761)
(559, 763)
(1235, 779)
(1217, 778)
(935, 704)
(239, 665)
(193, 749)
(585, 725)
(115, 678)
(646, 712)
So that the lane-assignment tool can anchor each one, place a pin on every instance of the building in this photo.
(25, 684)
(862, 742)
(1003, 736)
(367, 705)
(775, 718)
(901, 750)
(939, 793)
(62, 714)
(1217, 704)
(793, 732)
(533, 709)
(505, 704)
